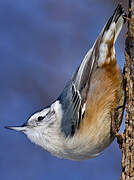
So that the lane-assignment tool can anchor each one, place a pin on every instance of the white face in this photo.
(42, 119)
(43, 128)
(39, 118)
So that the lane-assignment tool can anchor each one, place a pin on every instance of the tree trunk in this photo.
(128, 135)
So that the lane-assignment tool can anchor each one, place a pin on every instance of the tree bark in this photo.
(128, 135)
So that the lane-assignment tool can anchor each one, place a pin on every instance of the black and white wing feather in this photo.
(73, 97)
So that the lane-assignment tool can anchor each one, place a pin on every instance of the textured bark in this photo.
(128, 135)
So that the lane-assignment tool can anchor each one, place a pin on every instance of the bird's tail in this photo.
(117, 20)
(105, 42)
(102, 51)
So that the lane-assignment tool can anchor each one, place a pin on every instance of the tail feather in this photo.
(108, 36)
(119, 11)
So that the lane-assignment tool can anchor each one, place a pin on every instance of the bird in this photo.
(86, 117)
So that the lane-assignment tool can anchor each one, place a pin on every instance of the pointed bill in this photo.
(17, 128)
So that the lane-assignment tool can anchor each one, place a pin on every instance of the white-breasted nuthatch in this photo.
(79, 124)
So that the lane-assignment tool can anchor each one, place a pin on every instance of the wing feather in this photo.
(73, 97)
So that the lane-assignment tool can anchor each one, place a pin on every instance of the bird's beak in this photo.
(17, 128)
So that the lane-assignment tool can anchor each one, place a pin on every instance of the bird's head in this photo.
(43, 128)
(37, 125)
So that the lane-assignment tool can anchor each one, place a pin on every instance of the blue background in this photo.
(41, 44)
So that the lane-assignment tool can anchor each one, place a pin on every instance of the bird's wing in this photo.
(74, 96)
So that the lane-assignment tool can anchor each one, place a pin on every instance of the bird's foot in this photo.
(120, 138)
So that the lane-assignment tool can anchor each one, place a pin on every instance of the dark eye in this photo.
(40, 118)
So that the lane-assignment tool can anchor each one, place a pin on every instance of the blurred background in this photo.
(41, 44)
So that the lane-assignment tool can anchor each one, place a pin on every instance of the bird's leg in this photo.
(115, 126)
